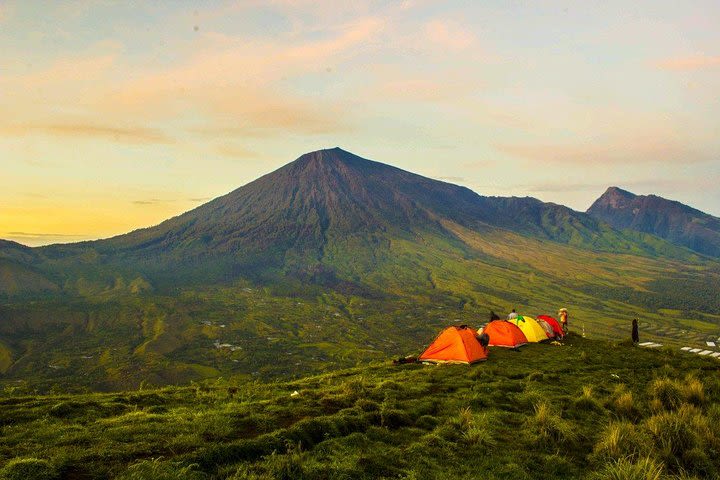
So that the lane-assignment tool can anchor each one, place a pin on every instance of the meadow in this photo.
(585, 409)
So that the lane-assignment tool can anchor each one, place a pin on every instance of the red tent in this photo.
(553, 323)
(455, 345)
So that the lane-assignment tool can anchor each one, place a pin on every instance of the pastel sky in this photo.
(117, 115)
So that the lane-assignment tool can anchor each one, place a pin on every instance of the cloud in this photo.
(697, 62)
(240, 87)
(120, 134)
(160, 201)
(638, 150)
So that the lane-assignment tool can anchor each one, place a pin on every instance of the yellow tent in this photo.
(531, 328)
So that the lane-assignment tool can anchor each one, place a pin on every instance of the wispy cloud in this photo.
(149, 201)
(121, 134)
(611, 151)
(696, 62)
(166, 201)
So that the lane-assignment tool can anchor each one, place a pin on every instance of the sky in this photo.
(117, 115)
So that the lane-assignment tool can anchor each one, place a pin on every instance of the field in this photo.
(587, 407)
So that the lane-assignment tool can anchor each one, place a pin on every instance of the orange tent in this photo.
(504, 334)
(455, 345)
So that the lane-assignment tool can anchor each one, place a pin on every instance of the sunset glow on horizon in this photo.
(118, 115)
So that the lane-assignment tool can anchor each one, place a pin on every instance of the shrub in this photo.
(624, 469)
(28, 469)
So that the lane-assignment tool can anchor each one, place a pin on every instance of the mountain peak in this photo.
(667, 219)
(614, 197)
(327, 155)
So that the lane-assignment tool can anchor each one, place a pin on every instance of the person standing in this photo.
(563, 314)
(635, 333)
(512, 315)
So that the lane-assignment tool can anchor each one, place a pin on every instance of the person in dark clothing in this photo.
(493, 316)
(635, 333)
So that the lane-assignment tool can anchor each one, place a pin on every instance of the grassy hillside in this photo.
(585, 408)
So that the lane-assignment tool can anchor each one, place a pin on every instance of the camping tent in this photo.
(504, 334)
(553, 323)
(546, 326)
(455, 345)
(532, 330)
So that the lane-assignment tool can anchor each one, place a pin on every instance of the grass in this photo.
(619, 416)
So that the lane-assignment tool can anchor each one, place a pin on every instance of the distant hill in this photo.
(667, 219)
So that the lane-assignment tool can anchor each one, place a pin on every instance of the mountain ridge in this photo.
(300, 219)
(671, 220)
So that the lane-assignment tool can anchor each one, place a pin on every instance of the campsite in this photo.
(359, 240)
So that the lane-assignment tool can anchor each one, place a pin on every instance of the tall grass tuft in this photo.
(683, 438)
(587, 400)
(626, 469)
(694, 391)
(665, 394)
(622, 402)
(547, 424)
(621, 440)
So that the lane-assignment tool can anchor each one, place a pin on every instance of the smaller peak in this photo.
(614, 197)
(618, 192)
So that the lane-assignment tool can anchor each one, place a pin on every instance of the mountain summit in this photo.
(667, 219)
